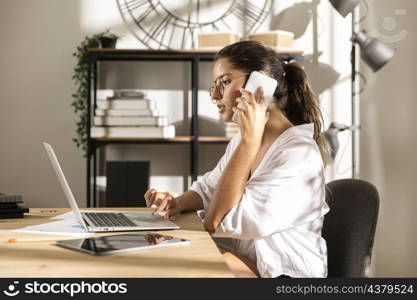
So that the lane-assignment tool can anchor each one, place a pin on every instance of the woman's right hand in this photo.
(164, 201)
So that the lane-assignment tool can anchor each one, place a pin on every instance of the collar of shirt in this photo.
(304, 130)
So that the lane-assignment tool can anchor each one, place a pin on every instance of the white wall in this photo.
(38, 38)
(388, 143)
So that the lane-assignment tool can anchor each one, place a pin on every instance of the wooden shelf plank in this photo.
(209, 139)
(183, 51)
(177, 139)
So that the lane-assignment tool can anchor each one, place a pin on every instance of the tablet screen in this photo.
(121, 243)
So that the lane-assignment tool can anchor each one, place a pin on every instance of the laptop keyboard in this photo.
(110, 220)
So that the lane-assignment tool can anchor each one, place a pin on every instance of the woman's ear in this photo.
(262, 72)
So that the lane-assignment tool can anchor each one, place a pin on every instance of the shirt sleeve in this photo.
(287, 191)
(206, 184)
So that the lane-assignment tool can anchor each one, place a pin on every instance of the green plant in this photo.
(81, 82)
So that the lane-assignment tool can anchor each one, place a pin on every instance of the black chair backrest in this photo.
(349, 226)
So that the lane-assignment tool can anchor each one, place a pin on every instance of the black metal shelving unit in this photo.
(188, 56)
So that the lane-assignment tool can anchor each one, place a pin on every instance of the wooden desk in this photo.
(44, 259)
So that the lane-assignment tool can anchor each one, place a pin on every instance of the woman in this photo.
(267, 192)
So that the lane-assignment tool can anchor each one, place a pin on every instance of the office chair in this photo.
(349, 226)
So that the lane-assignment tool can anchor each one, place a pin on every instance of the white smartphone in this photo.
(255, 81)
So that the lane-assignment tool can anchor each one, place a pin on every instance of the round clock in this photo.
(173, 24)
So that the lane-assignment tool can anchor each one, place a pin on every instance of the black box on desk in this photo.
(127, 182)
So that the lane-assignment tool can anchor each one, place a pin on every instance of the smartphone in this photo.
(255, 81)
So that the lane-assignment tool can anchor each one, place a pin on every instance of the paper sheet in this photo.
(67, 227)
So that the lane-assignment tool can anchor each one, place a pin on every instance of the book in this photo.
(134, 131)
(120, 93)
(11, 198)
(11, 216)
(231, 129)
(17, 210)
(8, 205)
(126, 112)
(130, 121)
(128, 93)
(126, 97)
(125, 104)
(11, 205)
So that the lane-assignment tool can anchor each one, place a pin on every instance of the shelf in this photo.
(213, 139)
(169, 52)
(95, 54)
(175, 140)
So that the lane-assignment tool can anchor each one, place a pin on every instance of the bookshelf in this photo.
(192, 57)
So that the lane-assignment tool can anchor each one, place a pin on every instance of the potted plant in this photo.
(100, 40)
(108, 40)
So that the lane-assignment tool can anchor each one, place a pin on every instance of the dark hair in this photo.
(293, 94)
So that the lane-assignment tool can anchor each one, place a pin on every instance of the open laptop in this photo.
(110, 220)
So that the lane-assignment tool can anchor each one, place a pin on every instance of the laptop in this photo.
(105, 221)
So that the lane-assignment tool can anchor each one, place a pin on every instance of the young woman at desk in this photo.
(267, 192)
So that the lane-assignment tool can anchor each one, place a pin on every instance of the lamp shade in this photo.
(344, 7)
(374, 52)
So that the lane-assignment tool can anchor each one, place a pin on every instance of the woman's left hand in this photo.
(253, 116)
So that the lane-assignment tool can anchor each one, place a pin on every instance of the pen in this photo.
(32, 240)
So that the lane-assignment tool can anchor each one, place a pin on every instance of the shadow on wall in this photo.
(296, 18)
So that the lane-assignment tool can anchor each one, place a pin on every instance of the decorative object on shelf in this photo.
(101, 40)
(216, 40)
(167, 24)
(277, 39)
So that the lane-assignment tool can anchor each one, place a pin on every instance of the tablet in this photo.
(113, 244)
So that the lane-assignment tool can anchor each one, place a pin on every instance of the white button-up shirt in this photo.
(279, 219)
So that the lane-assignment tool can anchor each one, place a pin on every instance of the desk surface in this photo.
(44, 259)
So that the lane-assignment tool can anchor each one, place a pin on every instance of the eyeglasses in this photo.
(220, 83)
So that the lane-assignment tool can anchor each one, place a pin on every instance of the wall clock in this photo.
(173, 24)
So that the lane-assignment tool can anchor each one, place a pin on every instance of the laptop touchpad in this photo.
(143, 216)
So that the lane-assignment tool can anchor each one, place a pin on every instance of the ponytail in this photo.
(300, 105)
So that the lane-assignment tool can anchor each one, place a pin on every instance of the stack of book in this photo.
(128, 113)
(231, 129)
(11, 206)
